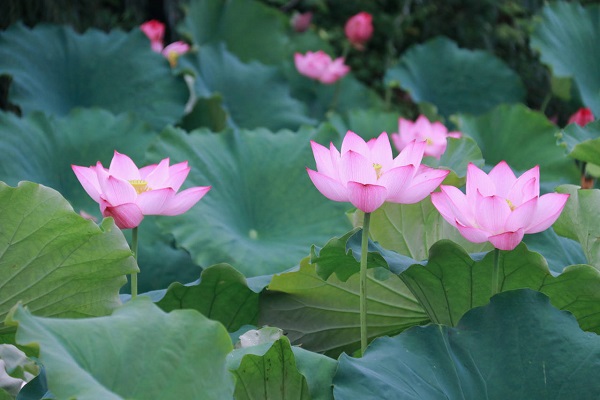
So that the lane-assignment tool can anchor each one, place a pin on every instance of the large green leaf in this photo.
(254, 95)
(235, 23)
(222, 295)
(558, 251)
(568, 37)
(55, 70)
(582, 142)
(517, 347)
(323, 315)
(263, 213)
(411, 229)
(580, 220)
(523, 138)
(269, 374)
(139, 352)
(455, 80)
(54, 261)
(42, 148)
(366, 123)
(452, 283)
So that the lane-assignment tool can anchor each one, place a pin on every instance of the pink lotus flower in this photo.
(366, 174)
(433, 134)
(319, 66)
(582, 117)
(499, 207)
(359, 29)
(127, 193)
(174, 50)
(155, 30)
(301, 21)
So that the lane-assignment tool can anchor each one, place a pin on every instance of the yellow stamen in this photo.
(172, 56)
(139, 185)
(511, 205)
(429, 142)
(377, 169)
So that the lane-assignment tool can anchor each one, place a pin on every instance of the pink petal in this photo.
(328, 187)
(503, 178)
(89, 180)
(411, 154)
(177, 175)
(522, 216)
(357, 168)
(158, 177)
(472, 234)
(153, 202)
(366, 198)
(548, 210)
(396, 181)
(185, 200)
(144, 171)
(453, 206)
(126, 216)
(123, 167)
(491, 213)
(116, 191)
(478, 181)
(423, 184)
(355, 143)
(381, 151)
(323, 159)
(507, 240)
(526, 187)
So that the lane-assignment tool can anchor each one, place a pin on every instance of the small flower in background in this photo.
(155, 30)
(359, 29)
(319, 66)
(301, 21)
(366, 174)
(127, 193)
(174, 50)
(499, 207)
(433, 134)
(582, 117)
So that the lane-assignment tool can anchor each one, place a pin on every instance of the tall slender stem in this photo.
(363, 283)
(134, 248)
(496, 273)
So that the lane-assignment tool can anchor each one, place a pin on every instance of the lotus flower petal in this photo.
(184, 200)
(89, 180)
(472, 234)
(126, 216)
(423, 184)
(329, 187)
(548, 210)
(491, 213)
(507, 240)
(366, 197)
(123, 167)
(153, 202)
(355, 143)
(503, 177)
(357, 168)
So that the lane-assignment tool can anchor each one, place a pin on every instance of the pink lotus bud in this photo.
(367, 175)
(301, 21)
(582, 117)
(155, 30)
(319, 66)
(435, 135)
(128, 193)
(499, 207)
(359, 29)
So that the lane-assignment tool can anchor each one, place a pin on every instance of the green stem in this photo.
(363, 283)
(496, 273)
(134, 248)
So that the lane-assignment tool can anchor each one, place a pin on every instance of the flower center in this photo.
(173, 56)
(377, 169)
(139, 185)
(428, 141)
(511, 205)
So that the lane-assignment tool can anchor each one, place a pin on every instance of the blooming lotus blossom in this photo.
(155, 30)
(366, 174)
(434, 134)
(359, 29)
(319, 66)
(127, 193)
(582, 117)
(174, 50)
(499, 207)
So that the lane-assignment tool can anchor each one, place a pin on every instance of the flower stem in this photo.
(363, 283)
(496, 273)
(134, 248)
